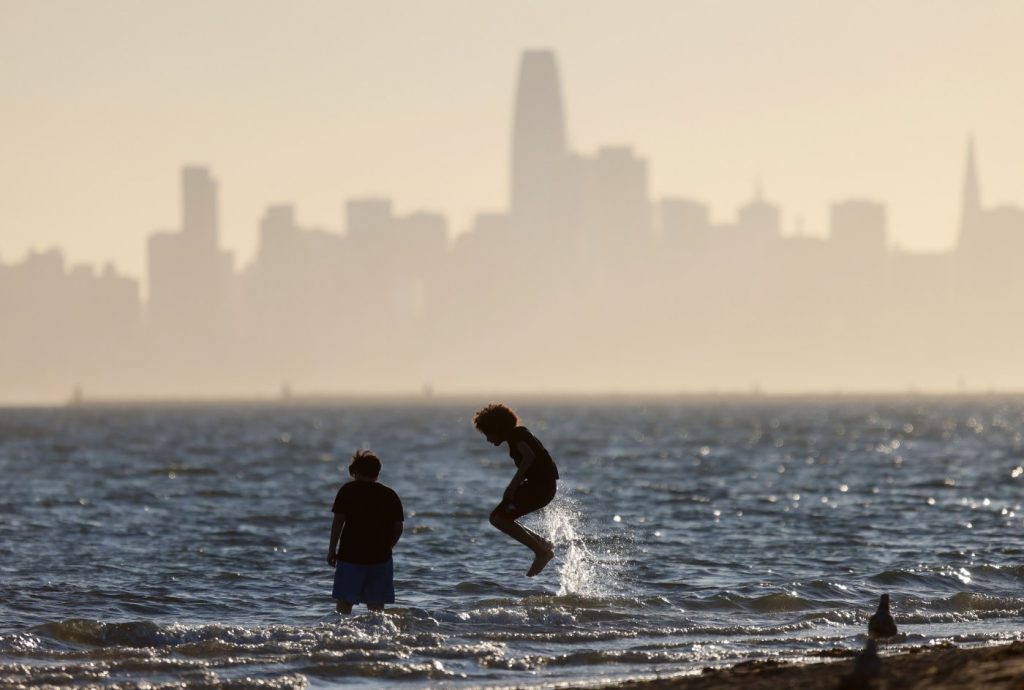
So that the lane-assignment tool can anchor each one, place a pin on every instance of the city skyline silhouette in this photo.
(333, 99)
(585, 282)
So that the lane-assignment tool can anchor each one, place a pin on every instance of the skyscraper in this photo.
(189, 274)
(970, 211)
(539, 180)
(616, 209)
(199, 207)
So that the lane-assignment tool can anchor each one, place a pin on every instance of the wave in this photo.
(975, 602)
(526, 634)
(429, 670)
(15, 675)
(938, 578)
(776, 602)
(363, 632)
(1012, 575)
(780, 602)
(401, 644)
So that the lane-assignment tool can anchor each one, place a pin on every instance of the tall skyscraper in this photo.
(189, 275)
(539, 180)
(970, 211)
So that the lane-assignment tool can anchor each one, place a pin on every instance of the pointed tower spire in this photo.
(970, 210)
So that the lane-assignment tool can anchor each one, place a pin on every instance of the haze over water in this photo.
(147, 546)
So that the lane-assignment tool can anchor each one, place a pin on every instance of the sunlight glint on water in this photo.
(149, 547)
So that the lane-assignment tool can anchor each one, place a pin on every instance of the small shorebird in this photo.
(881, 625)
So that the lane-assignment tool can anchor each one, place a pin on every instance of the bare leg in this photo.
(343, 607)
(375, 607)
(543, 550)
(540, 561)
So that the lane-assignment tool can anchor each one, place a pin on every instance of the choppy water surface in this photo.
(152, 546)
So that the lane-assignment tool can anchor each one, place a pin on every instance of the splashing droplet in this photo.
(584, 570)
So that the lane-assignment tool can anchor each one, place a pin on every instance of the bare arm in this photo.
(399, 525)
(332, 550)
(524, 465)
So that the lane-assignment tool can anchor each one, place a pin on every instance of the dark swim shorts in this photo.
(361, 583)
(529, 496)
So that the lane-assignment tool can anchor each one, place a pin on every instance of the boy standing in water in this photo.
(533, 485)
(368, 519)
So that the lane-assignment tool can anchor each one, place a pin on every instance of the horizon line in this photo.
(540, 397)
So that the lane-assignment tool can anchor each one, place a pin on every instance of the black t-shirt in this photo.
(543, 469)
(371, 511)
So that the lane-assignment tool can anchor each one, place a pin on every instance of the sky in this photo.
(313, 102)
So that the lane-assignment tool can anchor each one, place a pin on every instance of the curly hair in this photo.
(366, 463)
(495, 418)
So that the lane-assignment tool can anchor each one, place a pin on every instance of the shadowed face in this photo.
(494, 437)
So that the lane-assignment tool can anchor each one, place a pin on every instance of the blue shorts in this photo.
(364, 583)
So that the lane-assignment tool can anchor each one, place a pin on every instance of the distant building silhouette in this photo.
(293, 298)
(994, 234)
(199, 208)
(580, 283)
(539, 161)
(190, 277)
(368, 217)
(66, 326)
(616, 209)
(684, 222)
(857, 230)
(758, 221)
(970, 209)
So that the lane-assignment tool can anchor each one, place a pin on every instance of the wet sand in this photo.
(934, 668)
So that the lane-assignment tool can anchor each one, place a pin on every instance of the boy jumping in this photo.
(533, 485)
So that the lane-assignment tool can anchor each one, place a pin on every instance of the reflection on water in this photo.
(145, 547)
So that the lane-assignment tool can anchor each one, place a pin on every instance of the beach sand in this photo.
(935, 668)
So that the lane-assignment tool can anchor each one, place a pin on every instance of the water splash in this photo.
(588, 568)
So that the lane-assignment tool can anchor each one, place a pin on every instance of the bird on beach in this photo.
(881, 625)
(866, 666)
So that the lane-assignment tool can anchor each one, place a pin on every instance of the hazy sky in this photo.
(312, 102)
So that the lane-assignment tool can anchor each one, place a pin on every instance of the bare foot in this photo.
(539, 561)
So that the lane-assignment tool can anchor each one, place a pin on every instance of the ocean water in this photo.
(153, 547)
